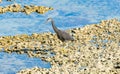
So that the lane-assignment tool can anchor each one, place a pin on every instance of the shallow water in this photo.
(67, 14)
(11, 63)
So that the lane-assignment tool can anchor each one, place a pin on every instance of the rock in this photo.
(0, 1)
(28, 9)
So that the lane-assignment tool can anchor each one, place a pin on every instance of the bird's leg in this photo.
(63, 45)
(68, 44)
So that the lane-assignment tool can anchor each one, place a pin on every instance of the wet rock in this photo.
(117, 65)
(28, 9)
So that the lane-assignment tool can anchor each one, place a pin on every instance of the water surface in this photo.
(12, 63)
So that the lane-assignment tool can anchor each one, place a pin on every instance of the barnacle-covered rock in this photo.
(26, 9)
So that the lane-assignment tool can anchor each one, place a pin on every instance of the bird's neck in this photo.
(54, 27)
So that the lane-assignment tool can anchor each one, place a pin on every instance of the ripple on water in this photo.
(11, 63)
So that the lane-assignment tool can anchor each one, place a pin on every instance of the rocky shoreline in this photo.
(27, 9)
(95, 50)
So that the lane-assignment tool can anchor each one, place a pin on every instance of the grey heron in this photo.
(62, 35)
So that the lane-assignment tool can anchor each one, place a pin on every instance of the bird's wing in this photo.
(66, 35)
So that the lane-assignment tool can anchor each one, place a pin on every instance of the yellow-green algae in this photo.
(96, 49)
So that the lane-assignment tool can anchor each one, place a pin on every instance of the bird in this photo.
(62, 35)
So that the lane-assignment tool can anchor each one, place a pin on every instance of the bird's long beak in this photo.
(46, 22)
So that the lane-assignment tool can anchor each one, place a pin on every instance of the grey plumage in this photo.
(62, 35)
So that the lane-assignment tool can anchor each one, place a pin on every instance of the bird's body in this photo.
(62, 35)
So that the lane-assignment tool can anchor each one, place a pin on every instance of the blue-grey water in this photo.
(66, 14)
(11, 63)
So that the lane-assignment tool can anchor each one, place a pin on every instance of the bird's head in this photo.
(49, 20)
